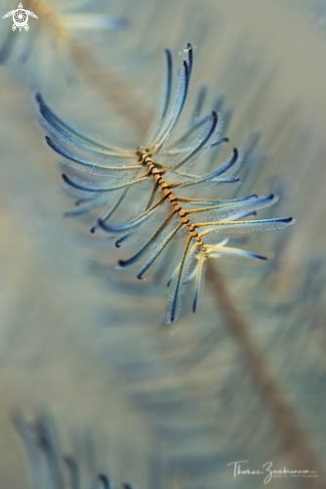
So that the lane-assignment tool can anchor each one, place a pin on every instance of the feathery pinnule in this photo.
(49, 465)
(162, 169)
(54, 49)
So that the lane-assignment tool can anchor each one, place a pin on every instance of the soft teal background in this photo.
(76, 342)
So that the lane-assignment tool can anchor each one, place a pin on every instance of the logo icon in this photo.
(20, 18)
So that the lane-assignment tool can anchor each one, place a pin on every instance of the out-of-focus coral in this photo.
(316, 9)
(47, 50)
(50, 467)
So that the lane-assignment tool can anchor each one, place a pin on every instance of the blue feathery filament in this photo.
(42, 446)
(96, 170)
(58, 22)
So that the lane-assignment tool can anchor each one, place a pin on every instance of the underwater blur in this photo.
(215, 381)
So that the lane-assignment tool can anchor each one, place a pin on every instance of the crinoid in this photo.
(50, 467)
(55, 40)
(159, 170)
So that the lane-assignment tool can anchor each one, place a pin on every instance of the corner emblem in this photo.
(20, 18)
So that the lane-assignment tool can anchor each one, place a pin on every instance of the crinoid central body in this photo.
(96, 171)
(157, 171)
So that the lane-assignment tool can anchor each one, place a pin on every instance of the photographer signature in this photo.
(240, 468)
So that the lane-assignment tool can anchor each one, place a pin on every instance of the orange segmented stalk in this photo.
(145, 158)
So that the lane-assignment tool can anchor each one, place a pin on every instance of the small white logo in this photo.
(20, 18)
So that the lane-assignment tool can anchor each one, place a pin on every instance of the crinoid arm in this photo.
(50, 465)
(169, 216)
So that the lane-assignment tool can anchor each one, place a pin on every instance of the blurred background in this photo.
(165, 407)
